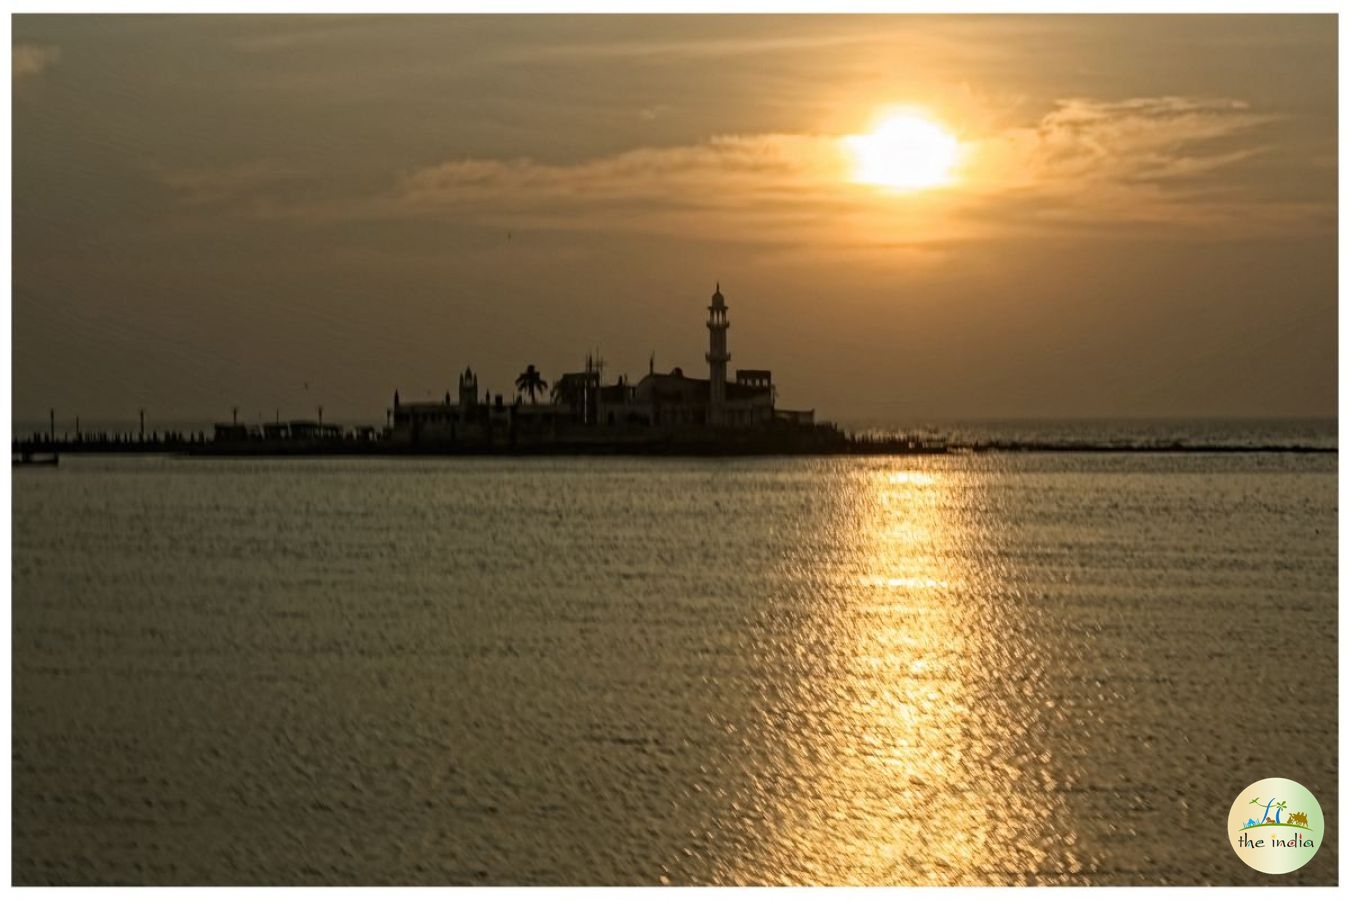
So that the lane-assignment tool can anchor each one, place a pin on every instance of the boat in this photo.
(31, 458)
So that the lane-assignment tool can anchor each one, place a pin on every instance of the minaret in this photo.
(468, 391)
(717, 357)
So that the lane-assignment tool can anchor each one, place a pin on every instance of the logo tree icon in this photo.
(1266, 814)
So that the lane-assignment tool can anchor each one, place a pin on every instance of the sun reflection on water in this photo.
(907, 775)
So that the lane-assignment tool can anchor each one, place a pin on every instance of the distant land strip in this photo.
(27, 450)
(1099, 447)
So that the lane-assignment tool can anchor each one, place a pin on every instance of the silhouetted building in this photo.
(674, 399)
(231, 431)
(665, 403)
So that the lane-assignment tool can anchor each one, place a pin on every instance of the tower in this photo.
(717, 357)
(468, 390)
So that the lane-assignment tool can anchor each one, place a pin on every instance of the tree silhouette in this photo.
(530, 382)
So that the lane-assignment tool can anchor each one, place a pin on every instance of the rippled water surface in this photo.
(998, 669)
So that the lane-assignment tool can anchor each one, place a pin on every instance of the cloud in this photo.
(230, 185)
(1085, 142)
(1162, 161)
(727, 175)
(284, 34)
(32, 59)
(1164, 165)
(693, 47)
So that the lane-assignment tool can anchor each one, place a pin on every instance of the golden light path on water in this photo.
(983, 669)
(911, 765)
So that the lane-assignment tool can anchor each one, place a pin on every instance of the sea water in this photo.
(975, 669)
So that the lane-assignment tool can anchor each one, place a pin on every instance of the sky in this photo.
(1137, 219)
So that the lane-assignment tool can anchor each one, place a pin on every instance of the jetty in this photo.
(822, 439)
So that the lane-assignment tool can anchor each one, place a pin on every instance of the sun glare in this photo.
(906, 151)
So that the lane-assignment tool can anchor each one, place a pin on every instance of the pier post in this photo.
(51, 425)
(142, 426)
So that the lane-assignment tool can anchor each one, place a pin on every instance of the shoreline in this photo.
(879, 448)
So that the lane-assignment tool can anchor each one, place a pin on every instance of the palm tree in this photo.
(1278, 806)
(530, 382)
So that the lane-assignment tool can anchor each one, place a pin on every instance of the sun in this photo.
(905, 151)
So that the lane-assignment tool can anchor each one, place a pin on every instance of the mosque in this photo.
(582, 406)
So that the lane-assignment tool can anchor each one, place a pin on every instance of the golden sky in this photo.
(911, 216)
